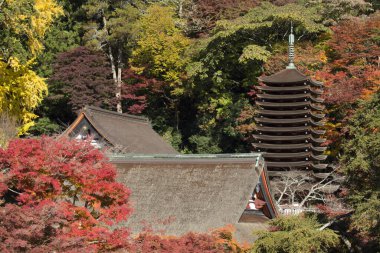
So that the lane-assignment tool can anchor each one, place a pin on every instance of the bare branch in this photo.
(9, 189)
(299, 189)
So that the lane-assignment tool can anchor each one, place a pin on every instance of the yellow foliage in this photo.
(323, 56)
(21, 91)
(32, 23)
(160, 48)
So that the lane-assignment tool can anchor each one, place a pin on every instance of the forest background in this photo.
(191, 67)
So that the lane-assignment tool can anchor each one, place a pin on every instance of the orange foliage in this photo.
(220, 240)
(353, 70)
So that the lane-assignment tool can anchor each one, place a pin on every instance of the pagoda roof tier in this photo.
(288, 121)
(275, 112)
(291, 104)
(292, 173)
(296, 155)
(288, 138)
(287, 155)
(296, 164)
(289, 88)
(287, 76)
(317, 116)
(290, 129)
(320, 166)
(286, 146)
(293, 96)
(290, 112)
(319, 157)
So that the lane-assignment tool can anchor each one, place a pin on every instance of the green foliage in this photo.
(333, 11)
(366, 218)
(275, 17)
(254, 53)
(173, 137)
(44, 126)
(296, 234)
(60, 38)
(361, 155)
(254, 36)
(110, 23)
(203, 145)
(361, 164)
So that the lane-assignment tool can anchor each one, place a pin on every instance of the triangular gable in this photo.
(135, 134)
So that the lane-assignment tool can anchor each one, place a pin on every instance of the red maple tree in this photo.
(353, 68)
(219, 240)
(82, 77)
(137, 89)
(60, 194)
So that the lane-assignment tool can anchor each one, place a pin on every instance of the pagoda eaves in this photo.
(288, 121)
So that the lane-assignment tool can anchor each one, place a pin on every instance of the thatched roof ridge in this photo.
(188, 158)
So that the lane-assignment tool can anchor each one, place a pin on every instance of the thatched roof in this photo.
(182, 193)
(132, 133)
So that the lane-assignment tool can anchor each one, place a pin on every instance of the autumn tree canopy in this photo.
(23, 25)
(69, 189)
(82, 77)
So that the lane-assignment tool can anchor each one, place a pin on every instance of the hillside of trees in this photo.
(191, 67)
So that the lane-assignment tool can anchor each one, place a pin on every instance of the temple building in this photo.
(174, 193)
(123, 133)
(289, 119)
(289, 122)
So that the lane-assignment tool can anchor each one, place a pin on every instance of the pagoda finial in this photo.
(291, 48)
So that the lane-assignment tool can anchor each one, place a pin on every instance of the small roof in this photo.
(182, 193)
(291, 104)
(292, 96)
(290, 129)
(301, 137)
(132, 132)
(285, 76)
(287, 146)
(296, 165)
(288, 121)
(288, 76)
(290, 88)
(296, 155)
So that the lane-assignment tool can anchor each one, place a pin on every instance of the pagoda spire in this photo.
(291, 49)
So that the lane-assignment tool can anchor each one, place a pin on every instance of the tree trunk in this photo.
(180, 8)
(114, 75)
(118, 80)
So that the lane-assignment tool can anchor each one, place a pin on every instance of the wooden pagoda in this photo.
(289, 120)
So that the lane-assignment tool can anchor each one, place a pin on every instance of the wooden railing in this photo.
(294, 210)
